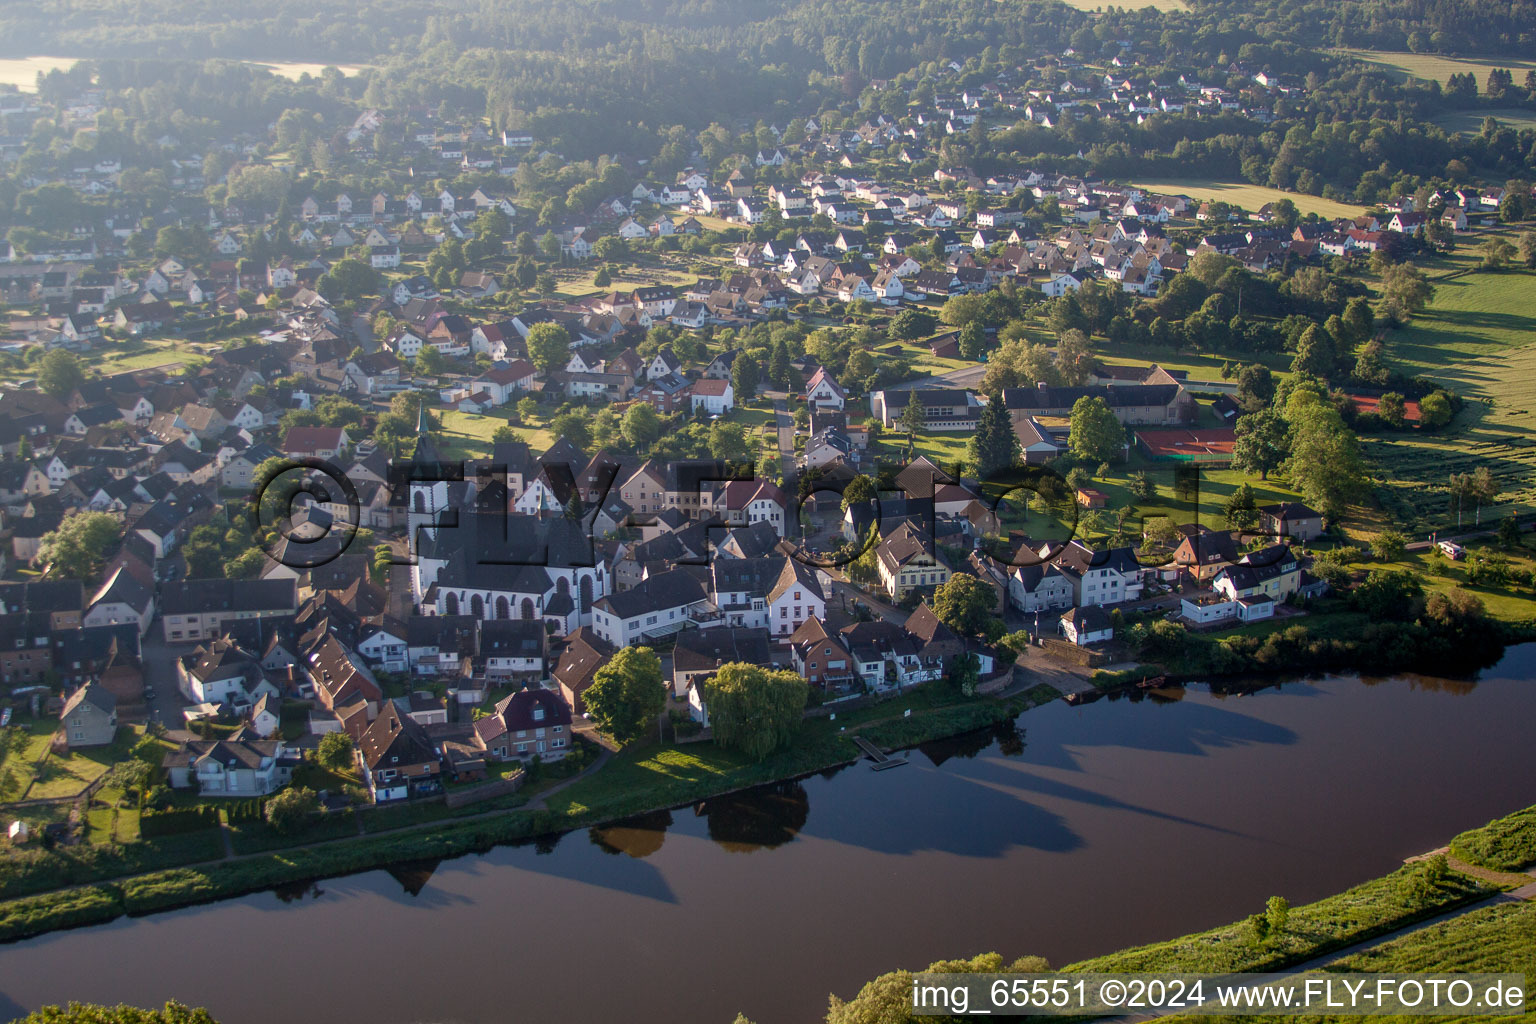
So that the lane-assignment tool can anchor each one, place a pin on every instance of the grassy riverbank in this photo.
(1495, 938)
(1504, 844)
(634, 782)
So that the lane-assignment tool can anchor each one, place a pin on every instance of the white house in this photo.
(715, 397)
(1084, 626)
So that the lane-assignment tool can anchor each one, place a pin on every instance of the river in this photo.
(1086, 830)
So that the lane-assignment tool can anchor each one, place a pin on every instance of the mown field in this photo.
(1473, 315)
(1249, 197)
(1471, 121)
(1475, 339)
(1434, 67)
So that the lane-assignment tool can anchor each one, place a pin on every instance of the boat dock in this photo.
(881, 759)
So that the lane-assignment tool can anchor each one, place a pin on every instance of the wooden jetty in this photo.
(881, 759)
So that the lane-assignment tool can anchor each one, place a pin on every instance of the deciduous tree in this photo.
(627, 694)
(754, 709)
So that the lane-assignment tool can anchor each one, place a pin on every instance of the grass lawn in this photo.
(1249, 197)
(1198, 366)
(1436, 67)
(1513, 603)
(650, 775)
(1505, 844)
(468, 435)
(67, 774)
(631, 277)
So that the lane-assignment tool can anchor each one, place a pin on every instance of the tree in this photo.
(1528, 248)
(348, 279)
(1262, 443)
(780, 373)
(1255, 387)
(1392, 409)
(1242, 510)
(911, 324)
(859, 490)
(292, 810)
(75, 549)
(1404, 291)
(1435, 409)
(59, 373)
(1142, 486)
(1315, 355)
(549, 245)
(574, 425)
(964, 603)
(912, 417)
(728, 441)
(745, 374)
(994, 446)
(335, 751)
(1497, 253)
(1095, 433)
(88, 1013)
(1509, 531)
(1277, 911)
(973, 341)
(641, 427)
(1388, 546)
(549, 346)
(1389, 594)
(627, 694)
(1074, 358)
(1324, 462)
(754, 709)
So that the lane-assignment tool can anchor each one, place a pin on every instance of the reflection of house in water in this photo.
(765, 817)
(413, 875)
(639, 836)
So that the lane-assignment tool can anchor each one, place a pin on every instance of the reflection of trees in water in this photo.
(1008, 737)
(293, 892)
(546, 844)
(639, 836)
(767, 816)
(1431, 684)
(413, 875)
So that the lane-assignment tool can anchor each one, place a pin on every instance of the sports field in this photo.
(1249, 197)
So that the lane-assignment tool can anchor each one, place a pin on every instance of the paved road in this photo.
(786, 426)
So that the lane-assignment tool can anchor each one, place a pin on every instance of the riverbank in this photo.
(635, 782)
(1484, 938)
(1334, 641)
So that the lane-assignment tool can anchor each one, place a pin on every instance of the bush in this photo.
(153, 825)
(293, 809)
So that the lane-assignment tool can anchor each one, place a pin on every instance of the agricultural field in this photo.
(1475, 339)
(1474, 315)
(1249, 197)
(1433, 67)
(1496, 428)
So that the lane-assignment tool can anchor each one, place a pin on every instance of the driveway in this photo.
(159, 660)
